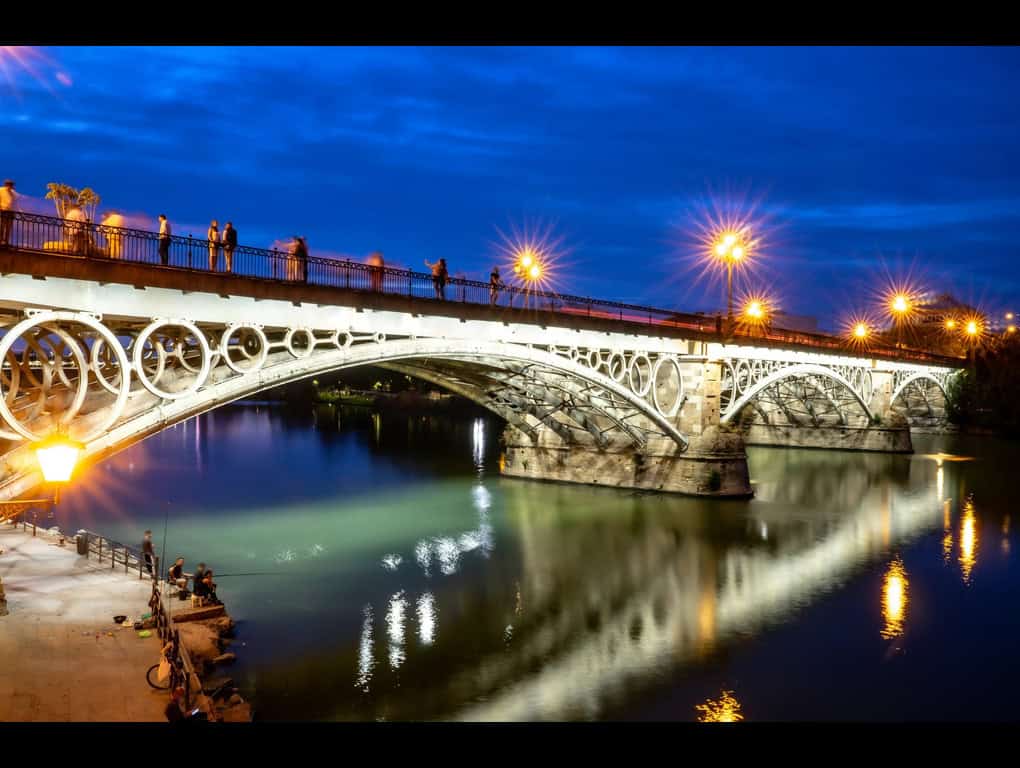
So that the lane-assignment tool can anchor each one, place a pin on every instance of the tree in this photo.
(89, 201)
(61, 195)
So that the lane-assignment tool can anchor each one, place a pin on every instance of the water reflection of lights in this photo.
(894, 600)
(376, 427)
(479, 443)
(365, 659)
(968, 540)
(427, 618)
(939, 479)
(395, 618)
(1005, 535)
(947, 530)
(725, 709)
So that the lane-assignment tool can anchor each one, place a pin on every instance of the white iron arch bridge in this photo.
(112, 351)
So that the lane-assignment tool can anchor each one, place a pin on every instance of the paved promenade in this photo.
(58, 660)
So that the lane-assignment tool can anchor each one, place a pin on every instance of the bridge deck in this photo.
(44, 247)
(141, 275)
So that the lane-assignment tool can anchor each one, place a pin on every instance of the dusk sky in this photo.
(859, 161)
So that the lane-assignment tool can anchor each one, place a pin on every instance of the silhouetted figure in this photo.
(164, 239)
(147, 550)
(213, 236)
(302, 259)
(8, 205)
(439, 275)
(495, 286)
(229, 245)
(375, 273)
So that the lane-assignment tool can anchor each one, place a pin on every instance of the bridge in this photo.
(111, 338)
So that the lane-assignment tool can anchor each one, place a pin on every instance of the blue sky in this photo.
(858, 162)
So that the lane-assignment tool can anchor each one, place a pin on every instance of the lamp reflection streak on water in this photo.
(478, 442)
(427, 618)
(968, 540)
(947, 530)
(365, 657)
(894, 600)
(725, 709)
(395, 617)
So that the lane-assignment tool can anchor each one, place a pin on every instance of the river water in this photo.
(397, 576)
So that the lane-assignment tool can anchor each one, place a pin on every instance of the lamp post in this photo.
(57, 456)
(731, 248)
(529, 268)
(900, 306)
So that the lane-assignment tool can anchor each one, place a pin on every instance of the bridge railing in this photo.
(48, 234)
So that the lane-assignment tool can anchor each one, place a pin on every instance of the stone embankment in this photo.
(206, 633)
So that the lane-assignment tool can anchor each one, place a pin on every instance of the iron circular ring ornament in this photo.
(203, 346)
(867, 384)
(343, 339)
(288, 342)
(635, 364)
(620, 372)
(258, 359)
(675, 408)
(742, 380)
(97, 365)
(42, 318)
(159, 367)
(594, 359)
(379, 337)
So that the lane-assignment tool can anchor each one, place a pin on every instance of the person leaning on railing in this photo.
(229, 245)
(213, 236)
(8, 206)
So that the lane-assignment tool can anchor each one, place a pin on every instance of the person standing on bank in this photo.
(8, 205)
(147, 550)
(213, 236)
(164, 239)
(229, 245)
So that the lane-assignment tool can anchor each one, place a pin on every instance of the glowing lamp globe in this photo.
(57, 456)
(950, 324)
(860, 330)
(535, 272)
(900, 303)
(972, 328)
(754, 309)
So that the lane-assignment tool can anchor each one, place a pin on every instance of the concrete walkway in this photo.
(58, 660)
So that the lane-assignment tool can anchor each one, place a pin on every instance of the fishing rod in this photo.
(255, 573)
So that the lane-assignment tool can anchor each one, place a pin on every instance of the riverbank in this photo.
(64, 658)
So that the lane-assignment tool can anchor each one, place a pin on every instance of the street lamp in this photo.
(529, 267)
(57, 456)
(900, 305)
(731, 249)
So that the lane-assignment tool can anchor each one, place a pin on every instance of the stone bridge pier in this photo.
(713, 462)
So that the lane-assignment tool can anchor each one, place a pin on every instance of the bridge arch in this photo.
(531, 388)
(915, 377)
(797, 370)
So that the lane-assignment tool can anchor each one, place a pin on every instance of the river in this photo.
(397, 576)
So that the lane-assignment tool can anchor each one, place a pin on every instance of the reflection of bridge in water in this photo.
(607, 601)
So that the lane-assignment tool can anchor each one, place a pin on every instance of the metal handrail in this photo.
(130, 557)
(48, 234)
(181, 668)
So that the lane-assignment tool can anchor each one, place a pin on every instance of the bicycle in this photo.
(152, 674)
